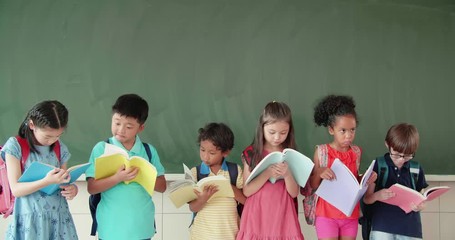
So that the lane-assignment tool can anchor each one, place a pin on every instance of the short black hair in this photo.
(132, 105)
(219, 134)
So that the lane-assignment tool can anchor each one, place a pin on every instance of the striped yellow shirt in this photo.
(218, 219)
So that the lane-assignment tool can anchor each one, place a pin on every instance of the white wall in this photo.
(172, 223)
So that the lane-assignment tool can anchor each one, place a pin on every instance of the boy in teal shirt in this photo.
(126, 211)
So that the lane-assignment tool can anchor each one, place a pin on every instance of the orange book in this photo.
(405, 197)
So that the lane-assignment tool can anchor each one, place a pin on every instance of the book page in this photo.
(182, 195)
(106, 166)
(188, 173)
(366, 175)
(271, 158)
(110, 149)
(404, 196)
(37, 171)
(435, 192)
(147, 174)
(223, 184)
(299, 164)
(76, 171)
(344, 185)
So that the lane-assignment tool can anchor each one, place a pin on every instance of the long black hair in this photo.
(51, 113)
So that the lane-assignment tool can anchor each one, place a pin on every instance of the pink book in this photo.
(404, 196)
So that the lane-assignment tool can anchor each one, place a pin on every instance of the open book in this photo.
(38, 170)
(405, 197)
(114, 157)
(344, 192)
(299, 164)
(182, 191)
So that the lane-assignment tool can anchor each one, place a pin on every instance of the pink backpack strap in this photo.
(57, 151)
(323, 155)
(25, 150)
(358, 153)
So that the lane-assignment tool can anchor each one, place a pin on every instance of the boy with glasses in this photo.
(389, 221)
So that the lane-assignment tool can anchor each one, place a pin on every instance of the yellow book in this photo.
(114, 157)
(182, 191)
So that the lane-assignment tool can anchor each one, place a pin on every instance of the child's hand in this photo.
(126, 174)
(207, 192)
(327, 173)
(273, 171)
(372, 178)
(418, 208)
(57, 175)
(384, 194)
(282, 169)
(69, 191)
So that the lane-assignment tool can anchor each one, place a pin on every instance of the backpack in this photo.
(311, 199)
(94, 199)
(6, 196)
(383, 173)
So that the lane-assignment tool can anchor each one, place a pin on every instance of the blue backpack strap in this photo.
(148, 151)
(233, 172)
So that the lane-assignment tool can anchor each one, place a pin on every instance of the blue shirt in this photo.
(392, 219)
(126, 211)
(38, 215)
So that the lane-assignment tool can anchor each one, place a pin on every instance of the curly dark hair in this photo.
(332, 106)
(219, 134)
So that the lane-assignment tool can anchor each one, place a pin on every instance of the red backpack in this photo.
(6, 197)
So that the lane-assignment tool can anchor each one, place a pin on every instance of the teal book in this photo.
(38, 171)
(299, 164)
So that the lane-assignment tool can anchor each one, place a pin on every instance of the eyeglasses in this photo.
(405, 157)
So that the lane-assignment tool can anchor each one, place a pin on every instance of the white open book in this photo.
(344, 192)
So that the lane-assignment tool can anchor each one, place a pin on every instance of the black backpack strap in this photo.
(200, 176)
(233, 172)
(148, 151)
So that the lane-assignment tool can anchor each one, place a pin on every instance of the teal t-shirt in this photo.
(126, 211)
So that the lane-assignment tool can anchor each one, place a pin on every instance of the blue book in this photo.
(38, 171)
(299, 164)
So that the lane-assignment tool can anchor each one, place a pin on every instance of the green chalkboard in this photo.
(223, 60)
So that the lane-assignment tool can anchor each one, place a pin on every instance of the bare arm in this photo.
(254, 185)
(319, 172)
(371, 196)
(20, 189)
(160, 185)
(291, 185)
(238, 195)
(202, 197)
(315, 179)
